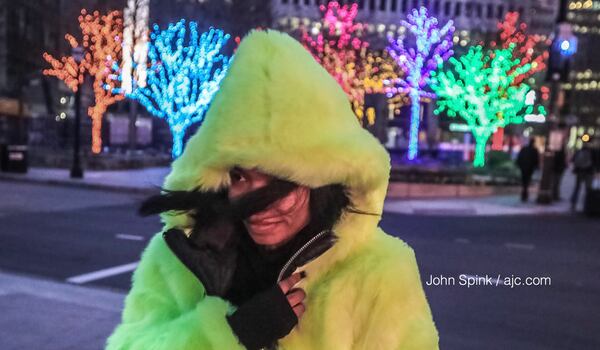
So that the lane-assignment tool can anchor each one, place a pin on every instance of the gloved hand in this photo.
(213, 265)
(270, 315)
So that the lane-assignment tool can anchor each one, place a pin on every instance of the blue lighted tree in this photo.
(431, 47)
(185, 73)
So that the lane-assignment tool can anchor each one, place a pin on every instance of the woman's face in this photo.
(279, 222)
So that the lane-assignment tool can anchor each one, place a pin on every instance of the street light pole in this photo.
(76, 170)
(563, 48)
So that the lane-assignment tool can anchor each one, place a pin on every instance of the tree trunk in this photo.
(96, 113)
(479, 159)
(177, 142)
(415, 118)
(132, 130)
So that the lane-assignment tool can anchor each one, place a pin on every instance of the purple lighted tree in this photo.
(431, 47)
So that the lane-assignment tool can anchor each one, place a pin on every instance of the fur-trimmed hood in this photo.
(278, 110)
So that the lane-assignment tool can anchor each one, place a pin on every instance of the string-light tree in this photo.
(135, 57)
(186, 70)
(379, 71)
(101, 43)
(68, 69)
(135, 44)
(529, 49)
(337, 47)
(378, 74)
(432, 46)
(480, 89)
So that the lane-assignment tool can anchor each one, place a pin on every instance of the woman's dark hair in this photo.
(326, 204)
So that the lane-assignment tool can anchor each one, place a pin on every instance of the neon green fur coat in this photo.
(278, 110)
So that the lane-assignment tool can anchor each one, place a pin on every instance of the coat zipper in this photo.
(298, 252)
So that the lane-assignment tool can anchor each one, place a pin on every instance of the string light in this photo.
(432, 47)
(184, 76)
(135, 44)
(529, 48)
(338, 48)
(480, 89)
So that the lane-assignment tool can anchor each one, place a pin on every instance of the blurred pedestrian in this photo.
(528, 161)
(559, 165)
(583, 168)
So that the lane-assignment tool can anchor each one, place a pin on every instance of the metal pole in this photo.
(545, 195)
(76, 171)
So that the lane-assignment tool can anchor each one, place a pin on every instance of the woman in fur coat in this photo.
(271, 236)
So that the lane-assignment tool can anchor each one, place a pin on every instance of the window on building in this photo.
(361, 4)
(382, 5)
(447, 8)
(415, 4)
(521, 11)
(21, 20)
(511, 8)
(394, 6)
(296, 2)
(307, 2)
(490, 11)
(479, 10)
(404, 5)
(372, 5)
(284, 1)
(458, 9)
(436, 7)
(426, 4)
(469, 9)
(500, 13)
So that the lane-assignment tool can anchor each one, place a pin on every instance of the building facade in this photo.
(474, 20)
(583, 89)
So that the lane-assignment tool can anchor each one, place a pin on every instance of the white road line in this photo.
(130, 237)
(462, 240)
(523, 246)
(97, 275)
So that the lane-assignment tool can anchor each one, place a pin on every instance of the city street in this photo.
(70, 236)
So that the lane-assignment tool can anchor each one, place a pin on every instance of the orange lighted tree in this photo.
(101, 42)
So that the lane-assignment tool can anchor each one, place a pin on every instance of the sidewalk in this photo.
(147, 180)
(507, 204)
(57, 316)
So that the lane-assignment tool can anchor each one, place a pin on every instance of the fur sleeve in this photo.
(167, 308)
(400, 316)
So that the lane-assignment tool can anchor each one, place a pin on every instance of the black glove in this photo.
(212, 264)
(264, 319)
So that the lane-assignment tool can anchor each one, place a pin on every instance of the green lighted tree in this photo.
(479, 88)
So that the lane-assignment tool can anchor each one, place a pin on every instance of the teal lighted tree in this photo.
(186, 68)
(479, 88)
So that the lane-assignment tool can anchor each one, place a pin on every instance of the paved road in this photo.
(68, 233)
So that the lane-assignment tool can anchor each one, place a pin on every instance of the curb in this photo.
(396, 190)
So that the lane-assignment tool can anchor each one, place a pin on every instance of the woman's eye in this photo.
(236, 176)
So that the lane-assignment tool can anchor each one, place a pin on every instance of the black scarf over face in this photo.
(220, 251)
